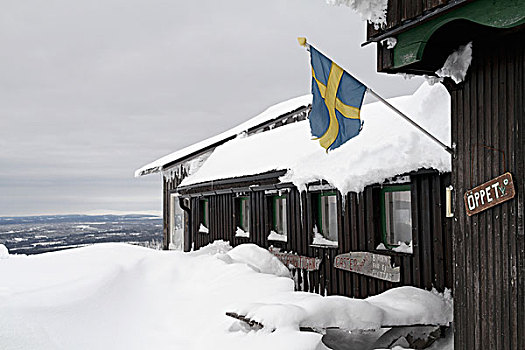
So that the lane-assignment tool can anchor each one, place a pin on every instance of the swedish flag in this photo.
(337, 100)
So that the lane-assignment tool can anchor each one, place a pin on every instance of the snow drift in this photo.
(118, 296)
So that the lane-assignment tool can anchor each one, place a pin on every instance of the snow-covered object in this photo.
(373, 11)
(387, 146)
(457, 64)
(269, 114)
(259, 259)
(274, 236)
(400, 306)
(203, 229)
(241, 233)
(4, 252)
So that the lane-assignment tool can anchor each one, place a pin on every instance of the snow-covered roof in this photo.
(268, 115)
(387, 146)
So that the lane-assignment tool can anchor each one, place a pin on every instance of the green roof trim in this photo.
(491, 13)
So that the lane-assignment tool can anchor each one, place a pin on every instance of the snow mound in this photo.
(401, 306)
(373, 11)
(4, 252)
(457, 64)
(410, 305)
(259, 259)
(217, 247)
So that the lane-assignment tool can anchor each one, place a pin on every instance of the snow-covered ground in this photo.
(118, 296)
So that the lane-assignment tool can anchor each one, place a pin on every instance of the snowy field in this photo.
(119, 296)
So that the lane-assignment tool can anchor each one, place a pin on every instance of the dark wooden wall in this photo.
(488, 110)
(359, 230)
(401, 11)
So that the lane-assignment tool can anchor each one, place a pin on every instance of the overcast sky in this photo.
(92, 90)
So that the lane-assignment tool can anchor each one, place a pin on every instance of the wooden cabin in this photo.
(487, 113)
(377, 224)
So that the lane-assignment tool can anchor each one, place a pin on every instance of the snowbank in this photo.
(387, 146)
(119, 296)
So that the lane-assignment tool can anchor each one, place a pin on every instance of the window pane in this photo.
(280, 223)
(204, 213)
(245, 214)
(329, 217)
(283, 215)
(398, 217)
(176, 224)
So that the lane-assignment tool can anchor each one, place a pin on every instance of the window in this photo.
(279, 222)
(176, 224)
(325, 228)
(243, 216)
(396, 215)
(204, 215)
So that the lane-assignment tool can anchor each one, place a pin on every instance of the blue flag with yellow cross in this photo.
(336, 105)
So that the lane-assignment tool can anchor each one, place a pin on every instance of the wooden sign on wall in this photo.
(296, 261)
(369, 264)
(489, 194)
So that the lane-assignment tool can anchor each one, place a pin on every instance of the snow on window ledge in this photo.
(322, 242)
(402, 247)
(241, 233)
(203, 229)
(274, 236)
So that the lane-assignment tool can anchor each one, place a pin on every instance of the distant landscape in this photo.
(40, 234)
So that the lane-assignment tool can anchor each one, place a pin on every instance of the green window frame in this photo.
(396, 215)
(204, 212)
(280, 219)
(323, 216)
(244, 213)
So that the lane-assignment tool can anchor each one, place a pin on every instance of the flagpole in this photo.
(448, 149)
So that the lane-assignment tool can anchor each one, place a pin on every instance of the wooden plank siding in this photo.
(402, 15)
(488, 111)
(359, 229)
(400, 12)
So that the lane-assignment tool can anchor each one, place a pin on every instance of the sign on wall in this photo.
(296, 261)
(489, 194)
(369, 264)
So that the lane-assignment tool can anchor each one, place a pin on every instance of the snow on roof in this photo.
(387, 146)
(269, 114)
(373, 11)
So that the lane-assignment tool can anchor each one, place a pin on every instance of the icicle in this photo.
(343, 202)
(301, 203)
